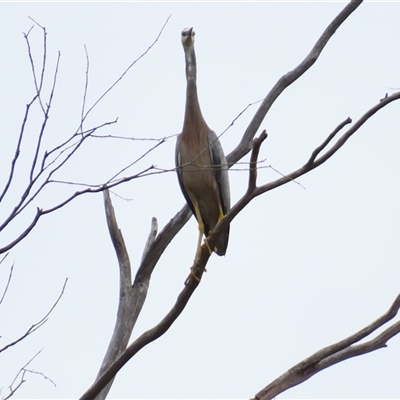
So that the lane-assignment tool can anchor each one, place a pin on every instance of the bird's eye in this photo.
(184, 34)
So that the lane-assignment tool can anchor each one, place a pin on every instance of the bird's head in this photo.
(188, 38)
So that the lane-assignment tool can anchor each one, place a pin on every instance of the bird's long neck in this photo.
(193, 116)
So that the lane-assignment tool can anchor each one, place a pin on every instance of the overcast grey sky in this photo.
(307, 265)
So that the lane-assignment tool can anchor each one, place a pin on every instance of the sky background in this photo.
(307, 265)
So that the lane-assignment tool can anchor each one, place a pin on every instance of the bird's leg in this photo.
(197, 257)
(198, 248)
(220, 216)
(207, 245)
(201, 231)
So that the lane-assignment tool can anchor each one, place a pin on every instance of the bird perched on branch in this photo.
(201, 164)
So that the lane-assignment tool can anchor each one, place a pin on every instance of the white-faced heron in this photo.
(200, 161)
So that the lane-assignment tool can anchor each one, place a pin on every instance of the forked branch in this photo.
(131, 297)
(334, 354)
(38, 324)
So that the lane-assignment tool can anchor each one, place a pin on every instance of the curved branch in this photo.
(8, 280)
(286, 80)
(334, 354)
(24, 233)
(18, 148)
(253, 160)
(325, 143)
(38, 324)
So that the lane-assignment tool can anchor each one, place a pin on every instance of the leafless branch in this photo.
(8, 281)
(4, 257)
(56, 158)
(137, 160)
(27, 230)
(20, 377)
(43, 127)
(286, 80)
(38, 86)
(38, 324)
(80, 129)
(152, 236)
(133, 139)
(131, 297)
(327, 141)
(152, 334)
(334, 354)
(311, 164)
(126, 70)
(253, 160)
(238, 116)
(18, 149)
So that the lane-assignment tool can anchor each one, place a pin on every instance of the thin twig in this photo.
(126, 71)
(136, 161)
(21, 373)
(8, 281)
(38, 87)
(85, 90)
(38, 324)
(18, 148)
(43, 127)
(328, 140)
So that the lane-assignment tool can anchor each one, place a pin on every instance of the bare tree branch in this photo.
(327, 141)
(27, 230)
(151, 238)
(127, 70)
(308, 166)
(8, 281)
(38, 324)
(17, 150)
(150, 335)
(334, 354)
(80, 129)
(286, 80)
(21, 377)
(253, 160)
(131, 297)
(54, 159)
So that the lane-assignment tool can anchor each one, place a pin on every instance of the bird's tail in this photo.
(222, 243)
